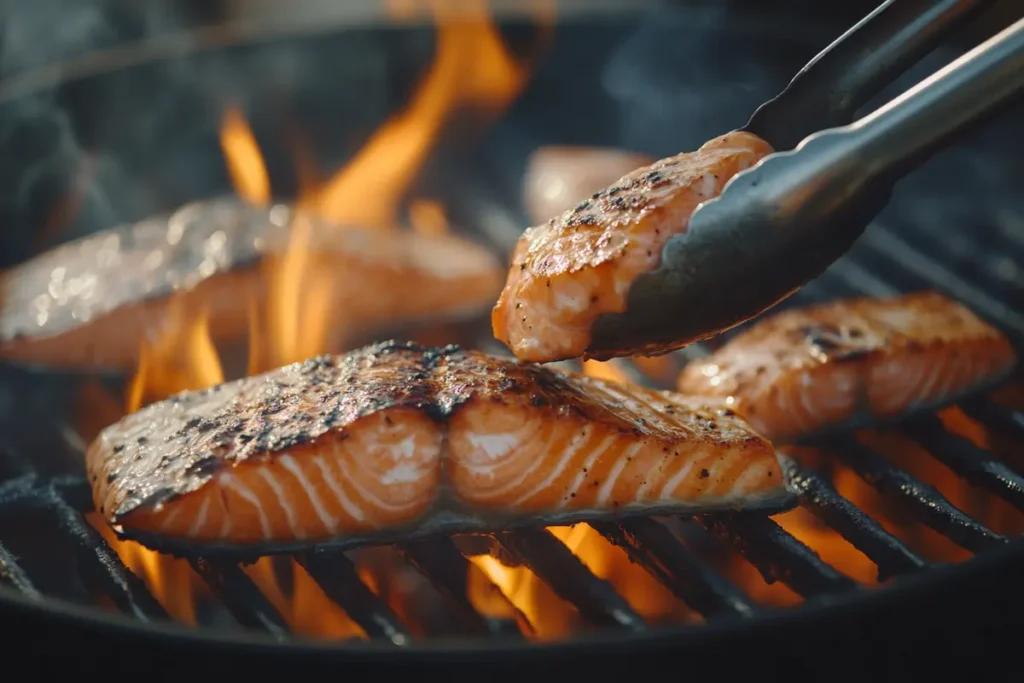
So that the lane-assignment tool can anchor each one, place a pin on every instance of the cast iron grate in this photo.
(882, 263)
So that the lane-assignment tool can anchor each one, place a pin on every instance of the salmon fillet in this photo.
(846, 363)
(89, 304)
(578, 266)
(396, 440)
(558, 177)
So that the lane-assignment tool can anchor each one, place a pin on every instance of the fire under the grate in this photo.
(554, 583)
(875, 506)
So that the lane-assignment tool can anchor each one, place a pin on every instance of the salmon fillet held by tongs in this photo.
(698, 243)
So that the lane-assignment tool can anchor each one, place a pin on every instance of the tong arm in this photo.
(780, 224)
(844, 76)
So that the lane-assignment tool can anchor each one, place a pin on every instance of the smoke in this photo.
(695, 72)
(141, 138)
(49, 181)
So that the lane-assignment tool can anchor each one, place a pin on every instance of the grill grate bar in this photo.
(11, 574)
(336, 575)
(928, 270)
(891, 555)
(991, 414)
(553, 562)
(14, 491)
(655, 548)
(240, 596)
(101, 566)
(930, 506)
(448, 570)
(776, 553)
(966, 459)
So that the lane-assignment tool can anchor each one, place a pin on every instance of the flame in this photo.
(472, 66)
(179, 358)
(428, 217)
(289, 320)
(547, 613)
(244, 159)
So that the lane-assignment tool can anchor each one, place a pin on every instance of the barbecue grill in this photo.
(60, 579)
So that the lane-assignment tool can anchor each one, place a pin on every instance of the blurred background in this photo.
(112, 110)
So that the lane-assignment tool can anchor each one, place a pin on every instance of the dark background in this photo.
(658, 77)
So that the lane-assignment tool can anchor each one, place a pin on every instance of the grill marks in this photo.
(396, 438)
(578, 266)
(833, 365)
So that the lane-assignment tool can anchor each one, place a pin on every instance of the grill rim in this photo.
(980, 570)
(835, 609)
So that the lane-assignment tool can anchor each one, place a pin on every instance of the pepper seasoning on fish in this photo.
(90, 303)
(558, 177)
(568, 272)
(397, 440)
(843, 363)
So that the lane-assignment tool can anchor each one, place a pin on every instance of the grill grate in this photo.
(669, 557)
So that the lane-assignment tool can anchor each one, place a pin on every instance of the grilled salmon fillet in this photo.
(578, 266)
(846, 363)
(398, 440)
(88, 304)
(558, 177)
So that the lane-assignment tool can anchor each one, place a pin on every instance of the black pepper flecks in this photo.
(256, 419)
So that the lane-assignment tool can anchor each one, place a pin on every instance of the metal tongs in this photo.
(780, 224)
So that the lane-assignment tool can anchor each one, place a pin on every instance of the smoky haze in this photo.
(143, 140)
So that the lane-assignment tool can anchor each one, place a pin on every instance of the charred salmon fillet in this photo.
(568, 272)
(89, 304)
(396, 440)
(558, 177)
(846, 363)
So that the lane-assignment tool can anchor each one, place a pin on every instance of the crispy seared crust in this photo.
(170, 449)
(558, 176)
(878, 348)
(580, 265)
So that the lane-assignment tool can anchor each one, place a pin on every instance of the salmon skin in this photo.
(852, 363)
(558, 177)
(90, 303)
(396, 441)
(567, 273)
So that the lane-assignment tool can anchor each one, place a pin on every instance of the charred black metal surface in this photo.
(655, 548)
(440, 561)
(777, 554)
(241, 596)
(817, 495)
(337, 576)
(966, 459)
(923, 500)
(555, 564)
(903, 252)
(14, 576)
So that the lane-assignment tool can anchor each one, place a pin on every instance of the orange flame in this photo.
(471, 66)
(289, 321)
(244, 159)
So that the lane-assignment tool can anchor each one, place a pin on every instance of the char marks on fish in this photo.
(839, 364)
(401, 439)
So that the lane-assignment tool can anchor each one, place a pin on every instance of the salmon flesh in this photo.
(396, 440)
(852, 362)
(91, 303)
(573, 269)
(558, 177)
